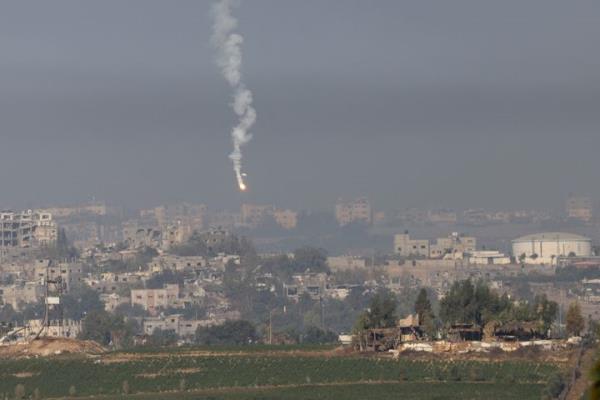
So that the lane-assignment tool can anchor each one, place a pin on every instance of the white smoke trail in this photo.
(229, 59)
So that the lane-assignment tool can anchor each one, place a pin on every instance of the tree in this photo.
(315, 335)
(106, 329)
(545, 310)
(574, 319)
(425, 312)
(229, 333)
(310, 258)
(381, 312)
(466, 302)
(157, 281)
(162, 338)
(81, 300)
(423, 306)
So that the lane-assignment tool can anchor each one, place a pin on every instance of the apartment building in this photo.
(26, 229)
(287, 219)
(580, 208)
(357, 210)
(69, 274)
(154, 299)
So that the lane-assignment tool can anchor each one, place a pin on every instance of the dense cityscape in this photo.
(172, 272)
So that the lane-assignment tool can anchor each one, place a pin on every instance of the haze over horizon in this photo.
(412, 103)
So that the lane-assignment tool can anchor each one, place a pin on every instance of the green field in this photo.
(269, 374)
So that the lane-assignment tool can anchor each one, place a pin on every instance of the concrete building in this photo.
(155, 299)
(547, 247)
(453, 246)
(442, 217)
(176, 263)
(313, 284)
(580, 208)
(253, 214)
(225, 219)
(346, 263)
(92, 208)
(287, 219)
(21, 293)
(68, 329)
(69, 273)
(358, 210)
(138, 235)
(175, 323)
(175, 235)
(488, 257)
(405, 246)
(184, 327)
(45, 231)
(26, 229)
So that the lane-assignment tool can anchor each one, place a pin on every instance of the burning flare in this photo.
(229, 59)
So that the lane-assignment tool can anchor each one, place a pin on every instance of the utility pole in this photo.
(271, 327)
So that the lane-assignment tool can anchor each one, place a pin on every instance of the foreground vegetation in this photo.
(268, 374)
(375, 390)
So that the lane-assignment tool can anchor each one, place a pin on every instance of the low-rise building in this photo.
(155, 299)
(68, 273)
(453, 246)
(176, 263)
(345, 263)
(21, 293)
(488, 257)
(137, 235)
(181, 326)
(312, 284)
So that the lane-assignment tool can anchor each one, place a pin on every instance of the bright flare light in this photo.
(243, 187)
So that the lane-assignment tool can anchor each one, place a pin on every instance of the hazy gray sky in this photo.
(413, 103)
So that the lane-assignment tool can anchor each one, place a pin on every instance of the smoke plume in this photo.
(229, 60)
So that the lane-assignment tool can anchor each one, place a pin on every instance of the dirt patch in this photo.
(49, 347)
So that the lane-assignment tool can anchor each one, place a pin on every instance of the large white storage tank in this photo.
(544, 248)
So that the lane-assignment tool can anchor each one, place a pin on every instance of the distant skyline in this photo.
(463, 104)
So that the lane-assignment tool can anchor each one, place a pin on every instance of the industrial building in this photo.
(547, 247)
